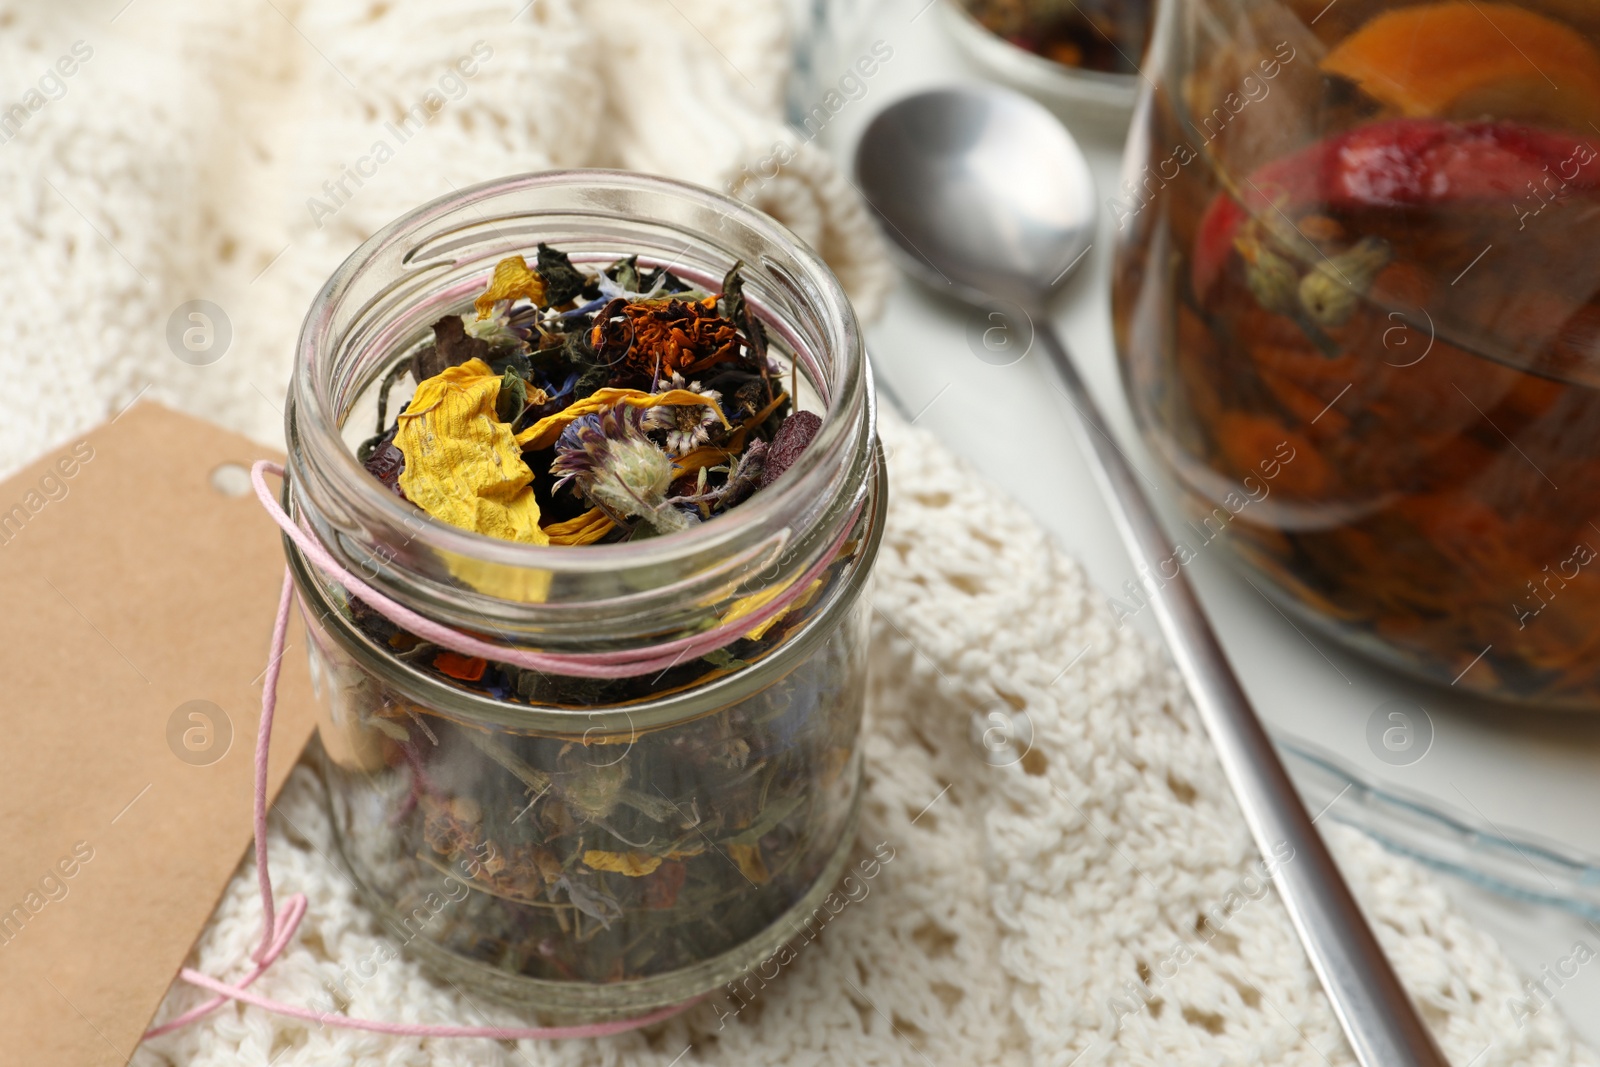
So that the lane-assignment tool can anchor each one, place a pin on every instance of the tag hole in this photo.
(230, 479)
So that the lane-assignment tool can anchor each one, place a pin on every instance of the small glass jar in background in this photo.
(1072, 54)
(587, 848)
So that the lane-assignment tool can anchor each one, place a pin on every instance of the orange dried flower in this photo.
(659, 338)
(466, 668)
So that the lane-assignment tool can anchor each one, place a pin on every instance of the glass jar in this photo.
(589, 847)
(1357, 304)
(1081, 56)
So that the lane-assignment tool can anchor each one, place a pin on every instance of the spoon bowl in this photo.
(980, 190)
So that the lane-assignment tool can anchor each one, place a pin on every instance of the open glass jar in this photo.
(589, 847)
(1357, 302)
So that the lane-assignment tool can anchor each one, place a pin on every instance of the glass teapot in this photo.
(1357, 305)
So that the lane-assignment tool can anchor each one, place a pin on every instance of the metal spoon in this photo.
(988, 197)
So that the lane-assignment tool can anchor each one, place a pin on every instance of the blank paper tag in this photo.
(138, 581)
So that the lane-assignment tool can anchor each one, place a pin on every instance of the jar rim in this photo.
(323, 427)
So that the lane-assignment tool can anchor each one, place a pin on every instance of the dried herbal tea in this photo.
(602, 858)
(571, 409)
(575, 407)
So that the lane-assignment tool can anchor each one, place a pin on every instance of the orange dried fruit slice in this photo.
(1467, 59)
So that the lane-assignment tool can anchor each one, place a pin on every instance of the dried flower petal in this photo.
(463, 466)
(586, 529)
(632, 864)
(513, 280)
(749, 861)
(747, 605)
(618, 468)
(543, 433)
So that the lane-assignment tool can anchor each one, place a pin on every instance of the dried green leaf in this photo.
(722, 659)
(731, 305)
(626, 274)
(562, 280)
(513, 397)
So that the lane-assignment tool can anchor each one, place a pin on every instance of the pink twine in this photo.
(278, 928)
(627, 663)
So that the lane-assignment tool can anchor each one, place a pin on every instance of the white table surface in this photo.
(1518, 771)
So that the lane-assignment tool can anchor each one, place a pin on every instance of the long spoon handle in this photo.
(1378, 1018)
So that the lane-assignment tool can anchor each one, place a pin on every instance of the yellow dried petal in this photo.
(799, 602)
(513, 280)
(749, 861)
(632, 864)
(748, 605)
(704, 456)
(527, 585)
(687, 852)
(463, 465)
(543, 433)
(585, 529)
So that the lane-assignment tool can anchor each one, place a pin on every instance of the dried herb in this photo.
(647, 410)
(631, 855)
(625, 273)
(563, 281)
(526, 373)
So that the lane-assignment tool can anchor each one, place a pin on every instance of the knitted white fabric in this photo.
(1096, 901)
(237, 150)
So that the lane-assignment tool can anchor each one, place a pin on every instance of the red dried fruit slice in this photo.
(1398, 163)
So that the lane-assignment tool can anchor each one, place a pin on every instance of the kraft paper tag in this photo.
(138, 598)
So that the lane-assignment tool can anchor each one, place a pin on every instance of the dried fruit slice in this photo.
(1396, 163)
(1471, 60)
